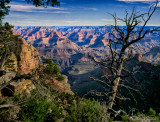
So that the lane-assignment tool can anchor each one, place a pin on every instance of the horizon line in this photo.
(77, 26)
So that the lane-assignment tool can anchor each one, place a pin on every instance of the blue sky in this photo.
(76, 12)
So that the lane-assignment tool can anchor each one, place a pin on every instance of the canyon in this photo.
(70, 46)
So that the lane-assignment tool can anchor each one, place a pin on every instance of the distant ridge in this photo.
(153, 55)
(69, 45)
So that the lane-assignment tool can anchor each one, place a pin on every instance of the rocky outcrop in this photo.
(24, 59)
(139, 57)
(61, 86)
(15, 87)
(153, 55)
(24, 55)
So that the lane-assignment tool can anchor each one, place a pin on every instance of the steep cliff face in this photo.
(25, 56)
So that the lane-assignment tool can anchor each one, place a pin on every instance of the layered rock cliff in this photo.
(70, 45)
(24, 59)
(24, 56)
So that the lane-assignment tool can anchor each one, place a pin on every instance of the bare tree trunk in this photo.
(4, 57)
(114, 90)
(6, 106)
(116, 83)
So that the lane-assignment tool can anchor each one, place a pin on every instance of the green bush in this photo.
(16, 97)
(3, 102)
(51, 68)
(48, 61)
(158, 116)
(60, 77)
(39, 111)
(3, 115)
(85, 111)
(138, 113)
(125, 118)
(151, 113)
(110, 120)
(18, 74)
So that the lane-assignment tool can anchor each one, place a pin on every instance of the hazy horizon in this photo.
(80, 26)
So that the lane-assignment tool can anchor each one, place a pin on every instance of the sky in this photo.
(77, 12)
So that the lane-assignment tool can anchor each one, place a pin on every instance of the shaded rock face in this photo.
(8, 91)
(148, 79)
(79, 78)
(139, 57)
(18, 88)
(15, 87)
(24, 85)
(153, 55)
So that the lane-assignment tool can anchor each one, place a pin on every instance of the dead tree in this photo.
(120, 43)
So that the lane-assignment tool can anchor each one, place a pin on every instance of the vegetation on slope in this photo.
(58, 106)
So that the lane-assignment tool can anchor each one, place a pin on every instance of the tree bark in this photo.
(6, 106)
(116, 83)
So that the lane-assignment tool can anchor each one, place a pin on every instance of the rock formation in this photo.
(24, 55)
(70, 45)
(61, 86)
(153, 55)
(24, 59)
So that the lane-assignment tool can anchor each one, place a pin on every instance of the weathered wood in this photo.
(6, 106)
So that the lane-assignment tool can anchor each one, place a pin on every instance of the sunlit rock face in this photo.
(26, 56)
(71, 45)
(24, 59)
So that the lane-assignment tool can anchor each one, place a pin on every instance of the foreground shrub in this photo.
(39, 110)
(151, 112)
(125, 118)
(85, 111)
